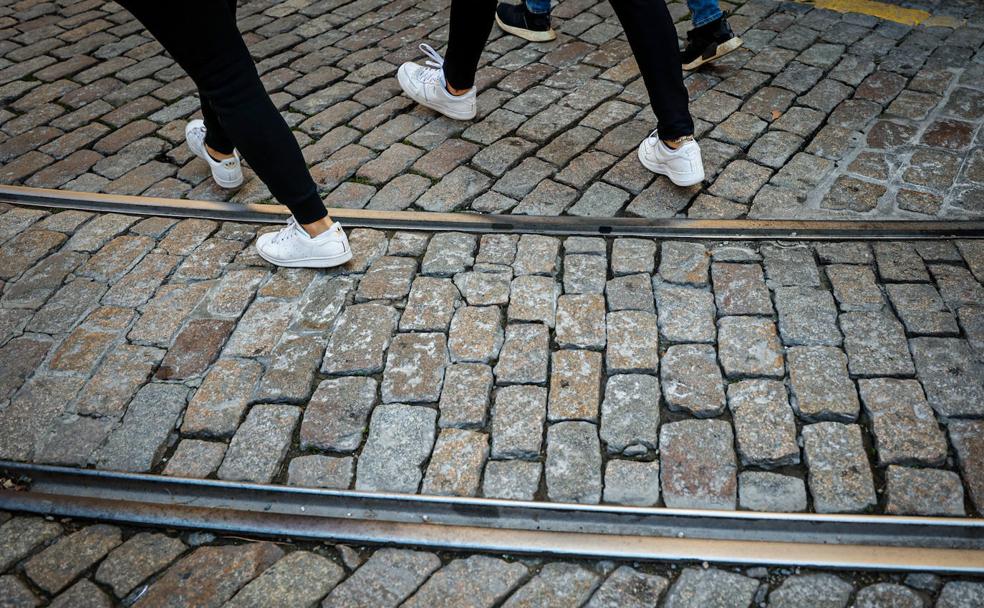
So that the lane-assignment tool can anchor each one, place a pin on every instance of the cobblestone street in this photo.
(820, 114)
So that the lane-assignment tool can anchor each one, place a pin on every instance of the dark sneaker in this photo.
(519, 21)
(708, 42)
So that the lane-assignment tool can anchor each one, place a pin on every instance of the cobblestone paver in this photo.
(111, 566)
(305, 382)
(819, 114)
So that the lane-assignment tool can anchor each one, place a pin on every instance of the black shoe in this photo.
(708, 42)
(519, 21)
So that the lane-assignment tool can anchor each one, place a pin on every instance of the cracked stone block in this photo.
(630, 292)
(484, 288)
(631, 256)
(683, 262)
(899, 262)
(575, 384)
(632, 483)
(259, 447)
(839, 473)
(921, 309)
(335, 418)
(517, 422)
(930, 492)
(701, 588)
(465, 398)
(360, 339)
(525, 355)
(749, 346)
(739, 289)
(905, 429)
(765, 428)
(59, 564)
(581, 321)
(821, 387)
(476, 334)
(875, 344)
(138, 444)
(534, 299)
(952, 378)
(430, 305)
(807, 317)
(511, 479)
(630, 414)
(584, 274)
(957, 286)
(195, 458)
(456, 464)
(399, 441)
(633, 342)
(573, 465)
(686, 314)
(415, 368)
(220, 401)
(771, 492)
(692, 380)
(821, 590)
(477, 581)
(855, 287)
(698, 468)
(136, 560)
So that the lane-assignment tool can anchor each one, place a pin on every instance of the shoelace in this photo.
(286, 232)
(435, 63)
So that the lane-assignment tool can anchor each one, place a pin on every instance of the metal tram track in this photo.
(860, 542)
(519, 224)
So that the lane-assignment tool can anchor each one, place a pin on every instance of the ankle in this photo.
(215, 154)
(319, 227)
(675, 144)
(453, 91)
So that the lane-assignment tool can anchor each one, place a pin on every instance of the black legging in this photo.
(203, 38)
(651, 35)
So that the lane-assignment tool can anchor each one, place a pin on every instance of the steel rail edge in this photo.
(930, 544)
(519, 224)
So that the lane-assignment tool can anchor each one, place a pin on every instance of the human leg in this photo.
(711, 37)
(703, 12)
(529, 20)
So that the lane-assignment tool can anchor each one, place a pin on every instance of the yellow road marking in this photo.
(882, 10)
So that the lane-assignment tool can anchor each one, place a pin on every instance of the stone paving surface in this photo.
(820, 114)
(773, 376)
(100, 566)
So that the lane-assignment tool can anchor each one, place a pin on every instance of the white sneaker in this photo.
(295, 248)
(227, 173)
(426, 86)
(683, 166)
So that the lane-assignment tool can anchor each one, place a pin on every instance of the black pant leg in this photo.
(471, 24)
(203, 38)
(649, 28)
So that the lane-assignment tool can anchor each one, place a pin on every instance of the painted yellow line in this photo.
(882, 10)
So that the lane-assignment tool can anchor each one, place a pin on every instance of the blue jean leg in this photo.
(538, 7)
(702, 12)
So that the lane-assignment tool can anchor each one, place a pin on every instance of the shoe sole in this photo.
(227, 184)
(427, 104)
(328, 262)
(530, 35)
(663, 170)
(722, 50)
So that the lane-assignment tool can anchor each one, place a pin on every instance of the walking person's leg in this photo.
(211, 50)
(711, 37)
(529, 19)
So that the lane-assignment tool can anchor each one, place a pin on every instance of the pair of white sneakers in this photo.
(291, 246)
(426, 85)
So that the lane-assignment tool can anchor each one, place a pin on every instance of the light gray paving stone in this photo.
(739, 289)
(511, 479)
(973, 254)
(534, 298)
(685, 263)
(692, 380)
(195, 458)
(448, 253)
(411, 244)
(961, 594)
(300, 578)
(430, 305)
(839, 473)
(16, 594)
(388, 278)
(385, 580)
(585, 244)
(967, 438)
(575, 385)
(921, 309)
(61, 563)
(359, 340)
(790, 266)
(234, 291)
(630, 292)
(465, 398)
(24, 250)
(972, 322)
(875, 344)
(584, 273)
(455, 467)
(821, 387)
(317, 471)
(573, 465)
(219, 403)
(415, 368)
(33, 289)
(686, 314)
(478, 581)
(899, 262)
(322, 303)
(628, 588)
(525, 355)
(497, 249)
(335, 418)
(903, 424)
(888, 594)
(749, 346)
(857, 252)
(93, 235)
(630, 414)
(139, 443)
(957, 285)
(82, 594)
(290, 374)
(855, 287)
(952, 378)
(484, 288)
(21, 535)
(924, 492)
(631, 256)
(259, 330)
(812, 591)
(633, 342)
(765, 428)
(72, 440)
(257, 450)
(399, 441)
(517, 422)
(771, 492)
(558, 584)
(476, 334)
(628, 482)
(697, 462)
(133, 562)
(537, 254)
(707, 588)
(807, 317)
(72, 302)
(581, 321)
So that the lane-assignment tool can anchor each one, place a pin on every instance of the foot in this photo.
(516, 19)
(709, 42)
(295, 248)
(227, 173)
(682, 165)
(426, 85)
